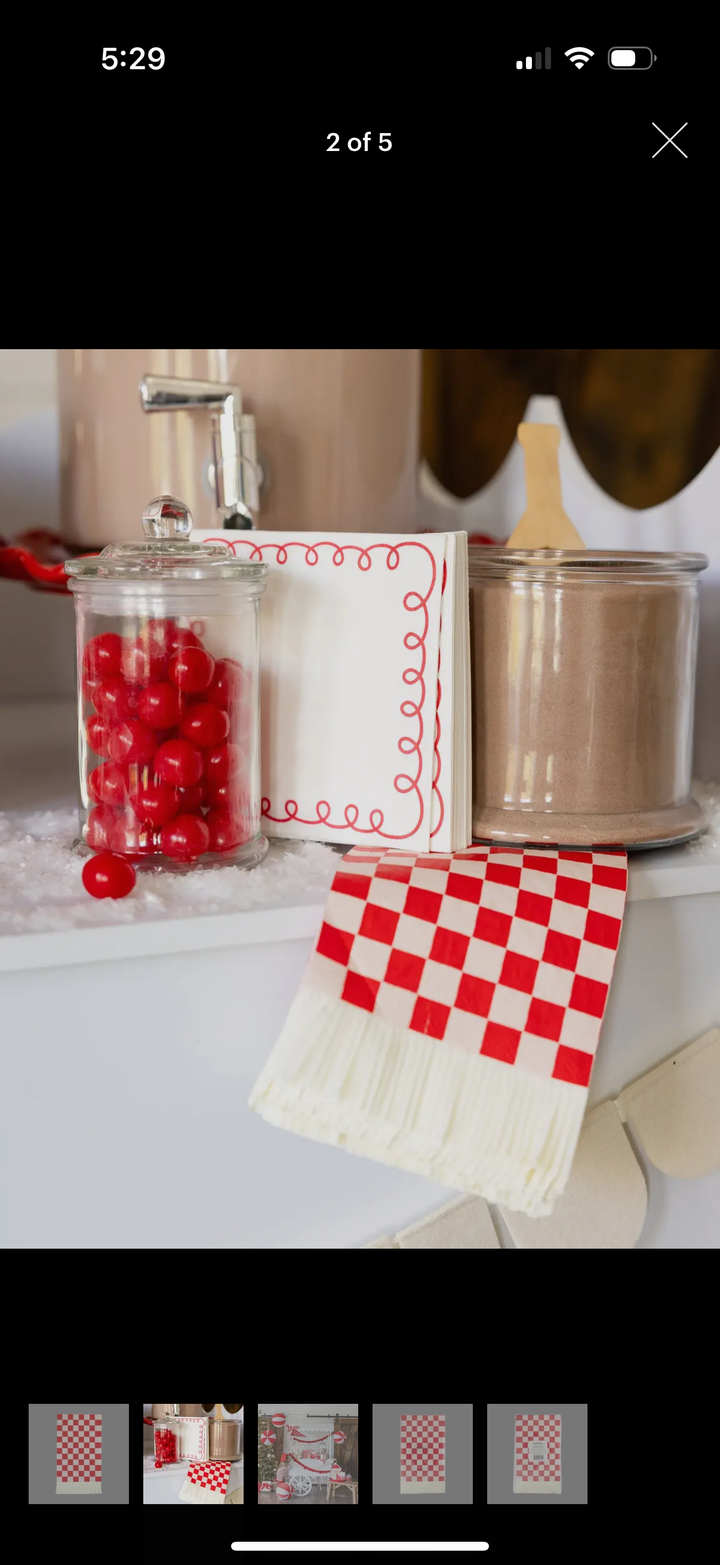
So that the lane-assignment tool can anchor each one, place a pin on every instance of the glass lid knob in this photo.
(167, 517)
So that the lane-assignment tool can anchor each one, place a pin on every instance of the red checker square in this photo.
(335, 943)
(602, 930)
(580, 858)
(404, 970)
(518, 972)
(545, 1019)
(449, 947)
(360, 991)
(421, 904)
(573, 1065)
(352, 885)
(569, 890)
(561, 950)
(393, 872)
(605, 875)
(379, 923)
(468, 888)
(431, 861)
(507, 874)
(493, 926)
(474, 994)
(544, 861)
(500, 1042)
(588, 995)
(429, 1017)
(535, 908)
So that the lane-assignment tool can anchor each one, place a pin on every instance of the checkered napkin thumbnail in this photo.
(422, 1453)
(448, 1018)
(537, 1453)
(79, 1453)
(206, 1483)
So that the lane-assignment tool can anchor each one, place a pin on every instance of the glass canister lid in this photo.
(586, 564)
(167, 524)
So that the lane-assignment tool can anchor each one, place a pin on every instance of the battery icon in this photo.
(630, 59)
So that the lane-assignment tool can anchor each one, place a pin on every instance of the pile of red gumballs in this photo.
(171, 727)
(165, 1446)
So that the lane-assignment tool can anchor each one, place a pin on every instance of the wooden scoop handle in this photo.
(544, 524)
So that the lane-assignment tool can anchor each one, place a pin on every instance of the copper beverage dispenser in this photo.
(336, 432)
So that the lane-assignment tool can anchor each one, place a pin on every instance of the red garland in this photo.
(322, 1472)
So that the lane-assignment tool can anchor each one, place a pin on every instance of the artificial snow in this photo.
(708, 797)
(41, 889)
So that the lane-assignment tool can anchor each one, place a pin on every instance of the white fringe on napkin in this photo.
(344, 1076)
(196, 1494)
(78, 1488)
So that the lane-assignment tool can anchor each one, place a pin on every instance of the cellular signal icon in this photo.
(579, 57)
(538, 61)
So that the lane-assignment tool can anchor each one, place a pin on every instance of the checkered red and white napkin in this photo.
(79, 1453)
(537, 1453)
(422, 1453)
(206, 1483)
(450, 1013)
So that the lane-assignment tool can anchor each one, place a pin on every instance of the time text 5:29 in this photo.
(112, 58)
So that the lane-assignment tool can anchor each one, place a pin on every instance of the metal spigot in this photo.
(237, 472)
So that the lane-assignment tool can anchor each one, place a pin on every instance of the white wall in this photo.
(37, 630)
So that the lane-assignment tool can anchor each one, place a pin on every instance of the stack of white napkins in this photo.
(365, 695)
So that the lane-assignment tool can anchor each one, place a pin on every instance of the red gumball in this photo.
(132, 741)
(230, 683)
(143, 661)
(191, 669)
(102, 656)
(189, 800)
(98, 733)
(183, 637)
(185, 838)
(205, 724)
(108, 783)
(114, 699)
(99, 826)
(89, 684)
(108, 876)
(131, 837)
(226, 761)
(226, 831)
(159, 705)
(166, 634)
(178, 762)
(155, 802)
(222, 796)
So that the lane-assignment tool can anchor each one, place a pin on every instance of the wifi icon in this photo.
(579, 57)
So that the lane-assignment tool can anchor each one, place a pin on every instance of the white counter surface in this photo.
(46, 917)
(131, 1025)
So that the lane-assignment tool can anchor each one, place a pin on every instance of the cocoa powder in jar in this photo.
(583, 679)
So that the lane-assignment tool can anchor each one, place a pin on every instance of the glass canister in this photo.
(583, 666)
(166, 1445)
(168, 698)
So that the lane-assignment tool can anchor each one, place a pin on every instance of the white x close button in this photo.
(669, 140)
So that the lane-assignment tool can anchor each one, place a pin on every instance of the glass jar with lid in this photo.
(168, 698)
(166, 1441)
(583, 696)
